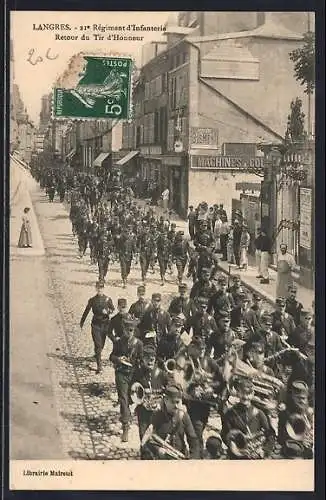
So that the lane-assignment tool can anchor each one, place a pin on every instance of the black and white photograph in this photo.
(162, 258)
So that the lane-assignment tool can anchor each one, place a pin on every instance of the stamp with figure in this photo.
(101, 90)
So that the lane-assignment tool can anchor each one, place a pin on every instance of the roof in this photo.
(100, 158)
(267, 30)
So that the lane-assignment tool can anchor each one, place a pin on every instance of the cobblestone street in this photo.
(87, 406)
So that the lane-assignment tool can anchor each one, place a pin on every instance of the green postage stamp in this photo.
(102, 90)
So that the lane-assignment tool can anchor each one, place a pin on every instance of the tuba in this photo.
(299, 429)
(247, 446)
(266, 387)
(151, 438)
(170, 366)
(151, 400)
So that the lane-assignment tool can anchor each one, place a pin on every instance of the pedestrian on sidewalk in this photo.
(165, 198)
(257, 244)
(244, 247)
(230, 248)
(25, 237)
(285, 265)
(224, 235)
(102, 306)
(191, 222)
(265, 248)
(237, 232)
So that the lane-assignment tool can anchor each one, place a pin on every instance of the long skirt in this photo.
(283, 282)
(25, 237)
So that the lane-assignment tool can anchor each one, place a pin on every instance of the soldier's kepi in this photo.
(102, 307)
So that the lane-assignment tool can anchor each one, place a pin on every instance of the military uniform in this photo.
(180, 250)
(164, 249)
(202, 288)
(154, 324)
(175, 428)
(138, 308)
(102, 307)
(126, 246)
(129, 349)
(147, 247)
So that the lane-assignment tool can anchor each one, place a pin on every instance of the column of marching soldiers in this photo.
(214, 349)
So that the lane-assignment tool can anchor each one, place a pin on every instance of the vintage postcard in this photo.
(162, 185)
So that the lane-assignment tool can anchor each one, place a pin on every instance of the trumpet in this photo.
(151, 400)
(152, 438)
(247, 445)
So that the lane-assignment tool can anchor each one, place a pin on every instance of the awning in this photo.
(70, 154)
(125, 159)
(100, 159)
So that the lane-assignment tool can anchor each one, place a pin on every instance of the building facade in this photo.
(203, 105)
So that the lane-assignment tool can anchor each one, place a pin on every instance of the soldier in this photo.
(201, 323)
(138, 308)
(155, 322)
(104, 248)
(235, 290)
(221, 300)
(254, 314)
(172, 424)
(204, 237)
(126, 246)
(180, 250)
(102, 307)
(147, 247)
(198, 409)
(164, 249)
(171, 344)
(191, 222)
(222, 338)
(182, 303)
(283, 323)
(82, 235)
(297, 407)
(292, 306)
(154, 380)
(115, 330)
(203, 287)
(126, 356)
(93, 236)
(248, 419)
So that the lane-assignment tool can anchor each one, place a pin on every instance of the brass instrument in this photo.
(151, 400)
(247, 445)
(169, 450)
(299, 429)
(266, 387)
(198, 383)
(170, 365)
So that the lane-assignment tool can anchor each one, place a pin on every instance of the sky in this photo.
(37, 80)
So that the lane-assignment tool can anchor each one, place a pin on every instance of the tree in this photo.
(295, 131)
(304, 62)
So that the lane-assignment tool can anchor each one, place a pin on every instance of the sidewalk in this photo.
(21, 184)
(248, 277)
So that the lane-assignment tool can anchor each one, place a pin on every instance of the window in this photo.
(156, 128)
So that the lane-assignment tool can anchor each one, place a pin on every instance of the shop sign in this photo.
(248, 186)
(226, 162)
(203, 138)
(305, 217)
(173, 161)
